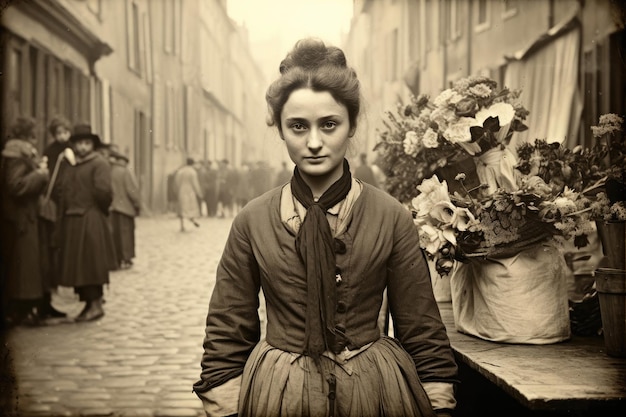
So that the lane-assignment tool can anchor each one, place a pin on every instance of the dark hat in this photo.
(83, 131)
(117, 155)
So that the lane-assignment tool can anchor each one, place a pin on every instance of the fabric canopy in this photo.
(547, 74)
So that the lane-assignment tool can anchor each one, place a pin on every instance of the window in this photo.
(482, 15)
(510, 8)
(452, 20)
(133, 36)
(169, 26)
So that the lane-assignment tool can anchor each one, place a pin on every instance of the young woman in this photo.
(323, 248)
(87, 251)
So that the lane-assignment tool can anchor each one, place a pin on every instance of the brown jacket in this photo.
(382, 251)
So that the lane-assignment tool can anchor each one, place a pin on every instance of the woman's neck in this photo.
(319, 184)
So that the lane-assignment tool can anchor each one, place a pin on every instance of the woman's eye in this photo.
(329, 125)
(298, 127)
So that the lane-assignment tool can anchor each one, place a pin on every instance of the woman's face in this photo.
(84, 147)
(316, 130)
(62, 134)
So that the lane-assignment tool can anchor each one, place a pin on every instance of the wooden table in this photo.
(563, 377)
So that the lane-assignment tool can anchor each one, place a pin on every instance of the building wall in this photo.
(442, 41)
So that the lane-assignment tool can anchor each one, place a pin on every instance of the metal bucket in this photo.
(611, 287)
(613, 238)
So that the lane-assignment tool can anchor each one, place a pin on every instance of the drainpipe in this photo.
(550, 14)
(470, 31)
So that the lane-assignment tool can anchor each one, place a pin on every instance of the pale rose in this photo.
(430, 139)
(460, 131)
(463, 219)
(432, 191)
(444, 97)
(431, 239)
(443, 212)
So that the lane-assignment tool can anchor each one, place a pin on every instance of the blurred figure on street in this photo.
(243, 192)
(364, 172)
(208, 183)
(24, 177)
(227, 180)
(87, 250)
(323, 248)
(125, 207)
(50, 228)
(200, 170)
(187, 192)
(283, 176)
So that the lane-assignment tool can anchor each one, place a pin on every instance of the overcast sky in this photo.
(290, 20)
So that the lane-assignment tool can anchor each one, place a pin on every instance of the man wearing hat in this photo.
(87, 251)
(125, 207)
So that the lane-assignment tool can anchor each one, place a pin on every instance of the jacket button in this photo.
(341, 307)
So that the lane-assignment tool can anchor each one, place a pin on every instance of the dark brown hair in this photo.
(23, 128)
(312, 64)
(58, 121)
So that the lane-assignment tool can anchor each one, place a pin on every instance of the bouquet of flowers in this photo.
(465, 121)
(596, 172)
(458, 227)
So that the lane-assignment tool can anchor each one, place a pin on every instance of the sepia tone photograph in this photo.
(323, 208)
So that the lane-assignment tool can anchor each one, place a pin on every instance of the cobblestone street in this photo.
(143, 356)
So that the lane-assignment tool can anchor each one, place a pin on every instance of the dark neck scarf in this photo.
(315, 245)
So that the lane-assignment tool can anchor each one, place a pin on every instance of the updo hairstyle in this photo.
(312, 64)
(59, 121)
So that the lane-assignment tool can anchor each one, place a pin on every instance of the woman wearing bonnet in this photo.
(323, 248)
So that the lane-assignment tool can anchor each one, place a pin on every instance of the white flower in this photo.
(432, 191)
(503, 111)
(444, 97)
(430, 139)
(411, 143)
(460, 131)
(463, 219)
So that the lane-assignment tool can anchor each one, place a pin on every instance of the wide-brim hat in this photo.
(83, 131)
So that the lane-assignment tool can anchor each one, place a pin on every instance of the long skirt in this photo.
(123, 235)
(380, 381)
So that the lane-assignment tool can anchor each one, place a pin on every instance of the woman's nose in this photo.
(314, 140)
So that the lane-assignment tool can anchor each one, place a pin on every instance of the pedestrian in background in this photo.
(227, 180)
(208, 182)
(323, 248)
(364, 172)
(60, 130)
(24, 176)
(125, 207)
(243, 192)
(87, 251)
(187, 191)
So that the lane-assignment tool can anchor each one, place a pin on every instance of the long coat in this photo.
(87, 249)
(21, 188)
(188, 191)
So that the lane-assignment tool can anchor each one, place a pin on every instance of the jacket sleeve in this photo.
(132, 190)
(22, 183)
(103, 192)
(415, 313)
(232, 327)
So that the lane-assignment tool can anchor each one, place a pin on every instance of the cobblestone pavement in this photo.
(143, 356)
